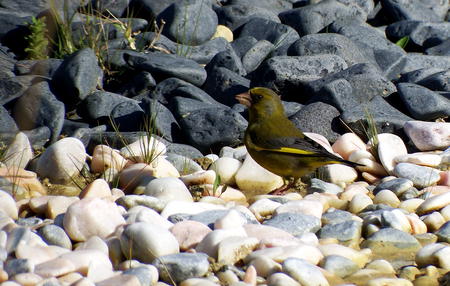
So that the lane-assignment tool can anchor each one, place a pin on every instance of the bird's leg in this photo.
(288, 183)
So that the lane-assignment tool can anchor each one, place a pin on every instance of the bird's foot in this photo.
(284, 188)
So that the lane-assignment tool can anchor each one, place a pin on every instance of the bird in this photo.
(276, 144)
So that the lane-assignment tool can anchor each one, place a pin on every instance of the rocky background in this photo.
(112, 142)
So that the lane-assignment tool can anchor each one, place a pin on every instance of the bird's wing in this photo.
(303, 147)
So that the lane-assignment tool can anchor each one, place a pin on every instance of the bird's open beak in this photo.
(244, 98)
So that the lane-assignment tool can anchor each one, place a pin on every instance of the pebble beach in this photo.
(91, 195)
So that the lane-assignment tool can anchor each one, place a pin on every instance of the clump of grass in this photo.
(37, 39)
(371, 133)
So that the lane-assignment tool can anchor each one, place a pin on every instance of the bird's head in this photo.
(261, 101)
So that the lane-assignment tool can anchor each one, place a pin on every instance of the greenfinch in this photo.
(275, 143)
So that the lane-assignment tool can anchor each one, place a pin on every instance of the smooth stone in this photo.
(307, 207)
(105, 157)
(390, 243)
(18, 153)
(411, 205)
(226, 168)
(428, 136)
(27, 279)
(55, 268)
(348, 143)
(224, 32)
(38, 254)
(421, 176)
(92, 263)
(232, 249)
(434, 203)
(8, 205)
(433, 221)
(210, 244)
(92, 216)
(324, 187)
(356, 155)
(55, 235)
(99, 188)
(16, 266)
(230, 220)
(263, 207)
(386, 197)
(199, 178)
(338, 174)
(168, 189)
(252, 179)
(189, 208)
(147, 274)
(189, 233)
(143, 148)
(133, 176)
(58, 205)
(130, 201)
(304, 272)
(359, 202)
(339, 265)
(145, 214)
(396, 219)
(397, 185)
(269, 235)
(94, 243)
(420, 158)
(294, 223)
(281, 279)
(265, 266)
(62, 160)
(120, 280)
(279, 254)
(181, 266)
(145, 242)
(418, 227)
(390, 146)
(360, 257)
(347, 232)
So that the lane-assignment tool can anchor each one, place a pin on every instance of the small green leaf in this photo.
(403, 42)
(216, 183)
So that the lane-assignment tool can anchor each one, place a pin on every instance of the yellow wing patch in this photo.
(288, 150)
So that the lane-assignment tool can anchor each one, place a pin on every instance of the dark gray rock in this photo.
(420, 33)
(7, 60)
(100, 104)
(70, 127)
(227, 59)
(209, 217)
(311, 19)
(163, 66)
(143, 274)
(223, 84)
(181, 266)
(212, 128)
(39, 107)
(77, 76)
(328, 43)
(165, 124)
(149, 9)
(366, 82)
(418, 75)
(17, 266)
(419, 61)
(288, 75)
(386, 118)
(45, 68)
(155, 42)
(442, 49)
(421, 176)
(193, 92)
(275, 6)
(235, 15)
(332, 216)
(422, 103)
(294, 223)
(291, 107)
(339, 265)
(318, 117)
(256, 55)
(439, 81)
(433, 10)
(203, 53)
(164, 89)
(398, 186)
(378, 50)
(29, 221)
(139, 84)
(13, 87)
(55, 235)
(182, 106)
(264, 29)
(345, 232)
(242, 44)
(129, 116)
(7, 123)
(443, 233)
(189, 22)
(184, 150)
(319, 186)
(118, 8)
